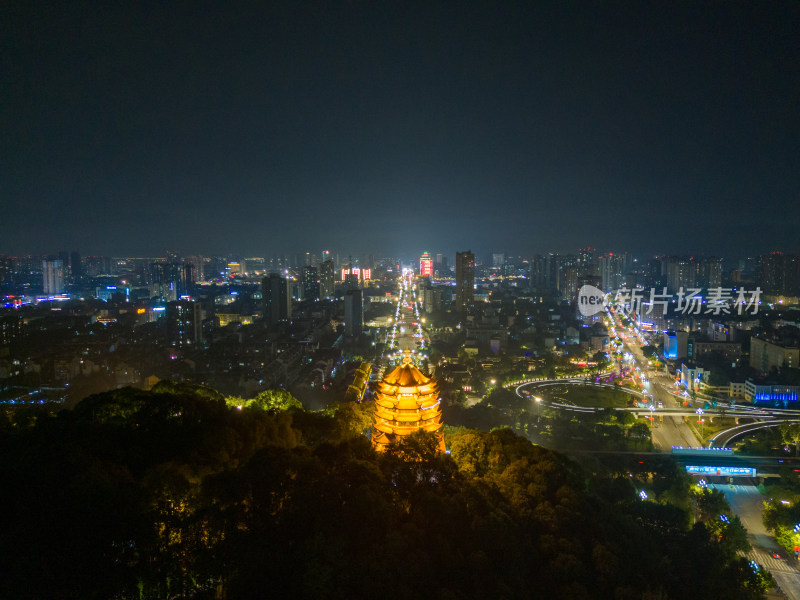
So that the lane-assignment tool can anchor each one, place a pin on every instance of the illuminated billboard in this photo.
(721, 471)
(426, 265)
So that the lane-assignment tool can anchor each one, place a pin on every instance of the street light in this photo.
(538, 408)
(700, 412)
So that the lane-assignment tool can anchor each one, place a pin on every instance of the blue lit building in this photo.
(771, 394)
(676, 345)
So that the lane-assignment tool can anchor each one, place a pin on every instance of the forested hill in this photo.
(175, 494)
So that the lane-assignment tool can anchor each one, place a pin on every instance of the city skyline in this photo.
(400, 299)
(649, 128)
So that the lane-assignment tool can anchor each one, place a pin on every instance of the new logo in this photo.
(591, 300)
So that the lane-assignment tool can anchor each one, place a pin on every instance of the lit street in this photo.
(747, 502)
(672, 431)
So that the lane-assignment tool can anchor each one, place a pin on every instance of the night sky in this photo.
(399, 127)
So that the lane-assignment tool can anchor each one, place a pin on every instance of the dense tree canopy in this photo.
(172, 494)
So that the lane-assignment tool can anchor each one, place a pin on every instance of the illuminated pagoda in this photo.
(406, 401)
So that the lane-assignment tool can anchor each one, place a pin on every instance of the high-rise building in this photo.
(406, 401)
(184, 323)
(440, 265)
(198, 267)
(612, 268)
(780, 274)
(171, 281)
(710, 272)
(98, 265)
(426, 265)
(76, 267)
(276, 292)
(353, 277)
(545, 272)
(681, 272)
(570, 282)
(10, 328)
(311, 283)
(353, 313)
(498, 260)
(52, 277)
(651, 317)
(465, 281)
(587, 258)
(6, 270)
(327, 279)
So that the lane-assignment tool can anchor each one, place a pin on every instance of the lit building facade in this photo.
(277, 295)
(406, 401)
(184, 323)
(311, 283)
(327, 279)
(53, 277)
(426, 265)
(612, 267)
(676, 345)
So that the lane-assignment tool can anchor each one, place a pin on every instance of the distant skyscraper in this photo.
(76, 267)
(780, 274)
(612, 268)
(198, 267)
(52, 277)
(277, 294)
(426, 265)
(353, 312)
(311, 283)
(10, 328)
(498, 259)
(681, 272)
(170, 281)
(571, 282)
(545, 272)
(710, 272)
(587, 259)
(327, 279)
(184, 323)
(6, 270)
(465, 281)
(440, 265)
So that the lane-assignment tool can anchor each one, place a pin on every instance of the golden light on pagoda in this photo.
(406, 401)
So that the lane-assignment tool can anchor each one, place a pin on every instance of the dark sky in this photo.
(400, 127)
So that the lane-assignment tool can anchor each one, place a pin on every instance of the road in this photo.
(407, 332)
(672, 431)
(746, 501)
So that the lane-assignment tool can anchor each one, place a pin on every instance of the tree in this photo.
(352, 418)
(790, 434)
(268, 400)
(711, 504)
(718, 378)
